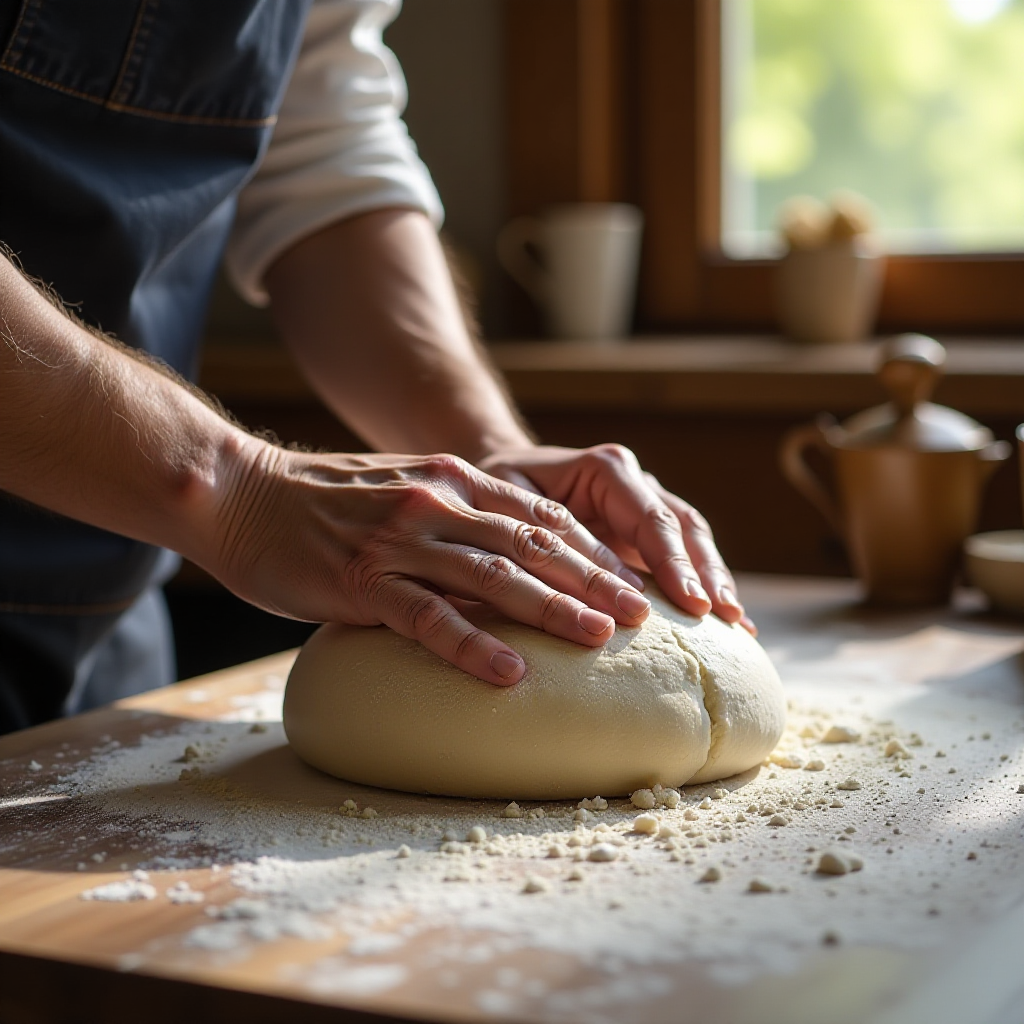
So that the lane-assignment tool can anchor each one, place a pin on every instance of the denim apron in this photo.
(127, 128)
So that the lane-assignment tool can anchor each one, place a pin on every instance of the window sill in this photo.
(696, 374)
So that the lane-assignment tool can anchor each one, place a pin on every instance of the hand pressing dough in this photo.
(676, 701)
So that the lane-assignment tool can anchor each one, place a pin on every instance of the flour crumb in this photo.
(778, 820)
(603, 852)
(556, 850)
(841, 734)
(760, 885)
(643, 799)
(850, 784)
(402, 852)
(534, 883)
(712, 874)
(646, 824)
(838, 862)
(513, 810)
(34, 766)
(789, 759)
(477, 834)
(705, 804)
(815, 765)
(896, 749)
(127, 891)
(182, 892)
(691, 815)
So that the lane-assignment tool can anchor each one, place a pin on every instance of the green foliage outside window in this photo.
(916, 104)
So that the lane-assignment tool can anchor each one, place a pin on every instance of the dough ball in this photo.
(675, 701)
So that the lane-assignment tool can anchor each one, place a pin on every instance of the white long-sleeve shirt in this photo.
(339, 147)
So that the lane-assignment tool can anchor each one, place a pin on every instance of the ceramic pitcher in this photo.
(908, 478)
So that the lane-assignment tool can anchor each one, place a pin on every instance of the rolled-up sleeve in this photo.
(339, 148)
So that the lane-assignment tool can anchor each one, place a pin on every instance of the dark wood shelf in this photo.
(707, 375)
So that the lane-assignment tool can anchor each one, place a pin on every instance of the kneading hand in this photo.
(369, 539)
(647, 526)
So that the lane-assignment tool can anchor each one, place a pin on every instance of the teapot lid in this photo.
(910, 368)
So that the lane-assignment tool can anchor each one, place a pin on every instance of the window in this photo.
(918, 105)
(623, 100)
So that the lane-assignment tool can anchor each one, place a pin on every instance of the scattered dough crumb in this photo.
(535, 884)
(896, 749)
(787, 760)
(646, 824)
(513, 810)
(759, 885)
(815, 765)
(712, 874)
(849, 784)
(403, 851)
(836, 862)
(841, 734)
(603, 852)
(477, 834)
(705, 804)
(643, 799)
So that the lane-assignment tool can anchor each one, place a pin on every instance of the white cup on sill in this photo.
(579, 263)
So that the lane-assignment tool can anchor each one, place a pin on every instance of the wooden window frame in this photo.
(619, 100)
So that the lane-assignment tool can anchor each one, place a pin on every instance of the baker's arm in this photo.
(93, 431)
(368, 308)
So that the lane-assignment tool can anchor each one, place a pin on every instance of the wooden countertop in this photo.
(673, 375)
(955, 676)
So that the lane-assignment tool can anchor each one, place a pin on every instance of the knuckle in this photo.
(426, 615)
(661, 516)
(680, 560)
(595, 581)
(447, 466)
(553, 606)
(553, 515)
(468, 644)
(534, 544)
(616, 454)
(494, 574)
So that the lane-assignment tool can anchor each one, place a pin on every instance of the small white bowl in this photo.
(995, 564)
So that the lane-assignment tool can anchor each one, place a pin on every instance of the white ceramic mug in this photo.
(579, 263)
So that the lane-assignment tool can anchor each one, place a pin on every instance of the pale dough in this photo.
(676, 701)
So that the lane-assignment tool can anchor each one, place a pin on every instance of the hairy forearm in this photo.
(368, 308)
(91, 431)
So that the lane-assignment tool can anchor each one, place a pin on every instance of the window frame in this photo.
(620, 100)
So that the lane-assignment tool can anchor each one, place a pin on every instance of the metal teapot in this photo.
(909, 476)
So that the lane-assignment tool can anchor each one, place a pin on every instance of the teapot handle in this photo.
(798, 473)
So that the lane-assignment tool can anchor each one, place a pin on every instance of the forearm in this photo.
(368, 308)
(92, 432)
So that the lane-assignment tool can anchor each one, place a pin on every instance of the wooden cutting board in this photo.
(950, 676)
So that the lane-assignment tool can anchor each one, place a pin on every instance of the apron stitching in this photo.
(53, 85)
(227, 122)
(123, 108)
(132, 57)
(21, 34)
(9, 608)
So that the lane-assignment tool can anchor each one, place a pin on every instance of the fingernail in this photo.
(631, 603)
(748, 624)
(630, 577)
(594, 622)
(726, 596)
(694, 589)
(505, 663)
